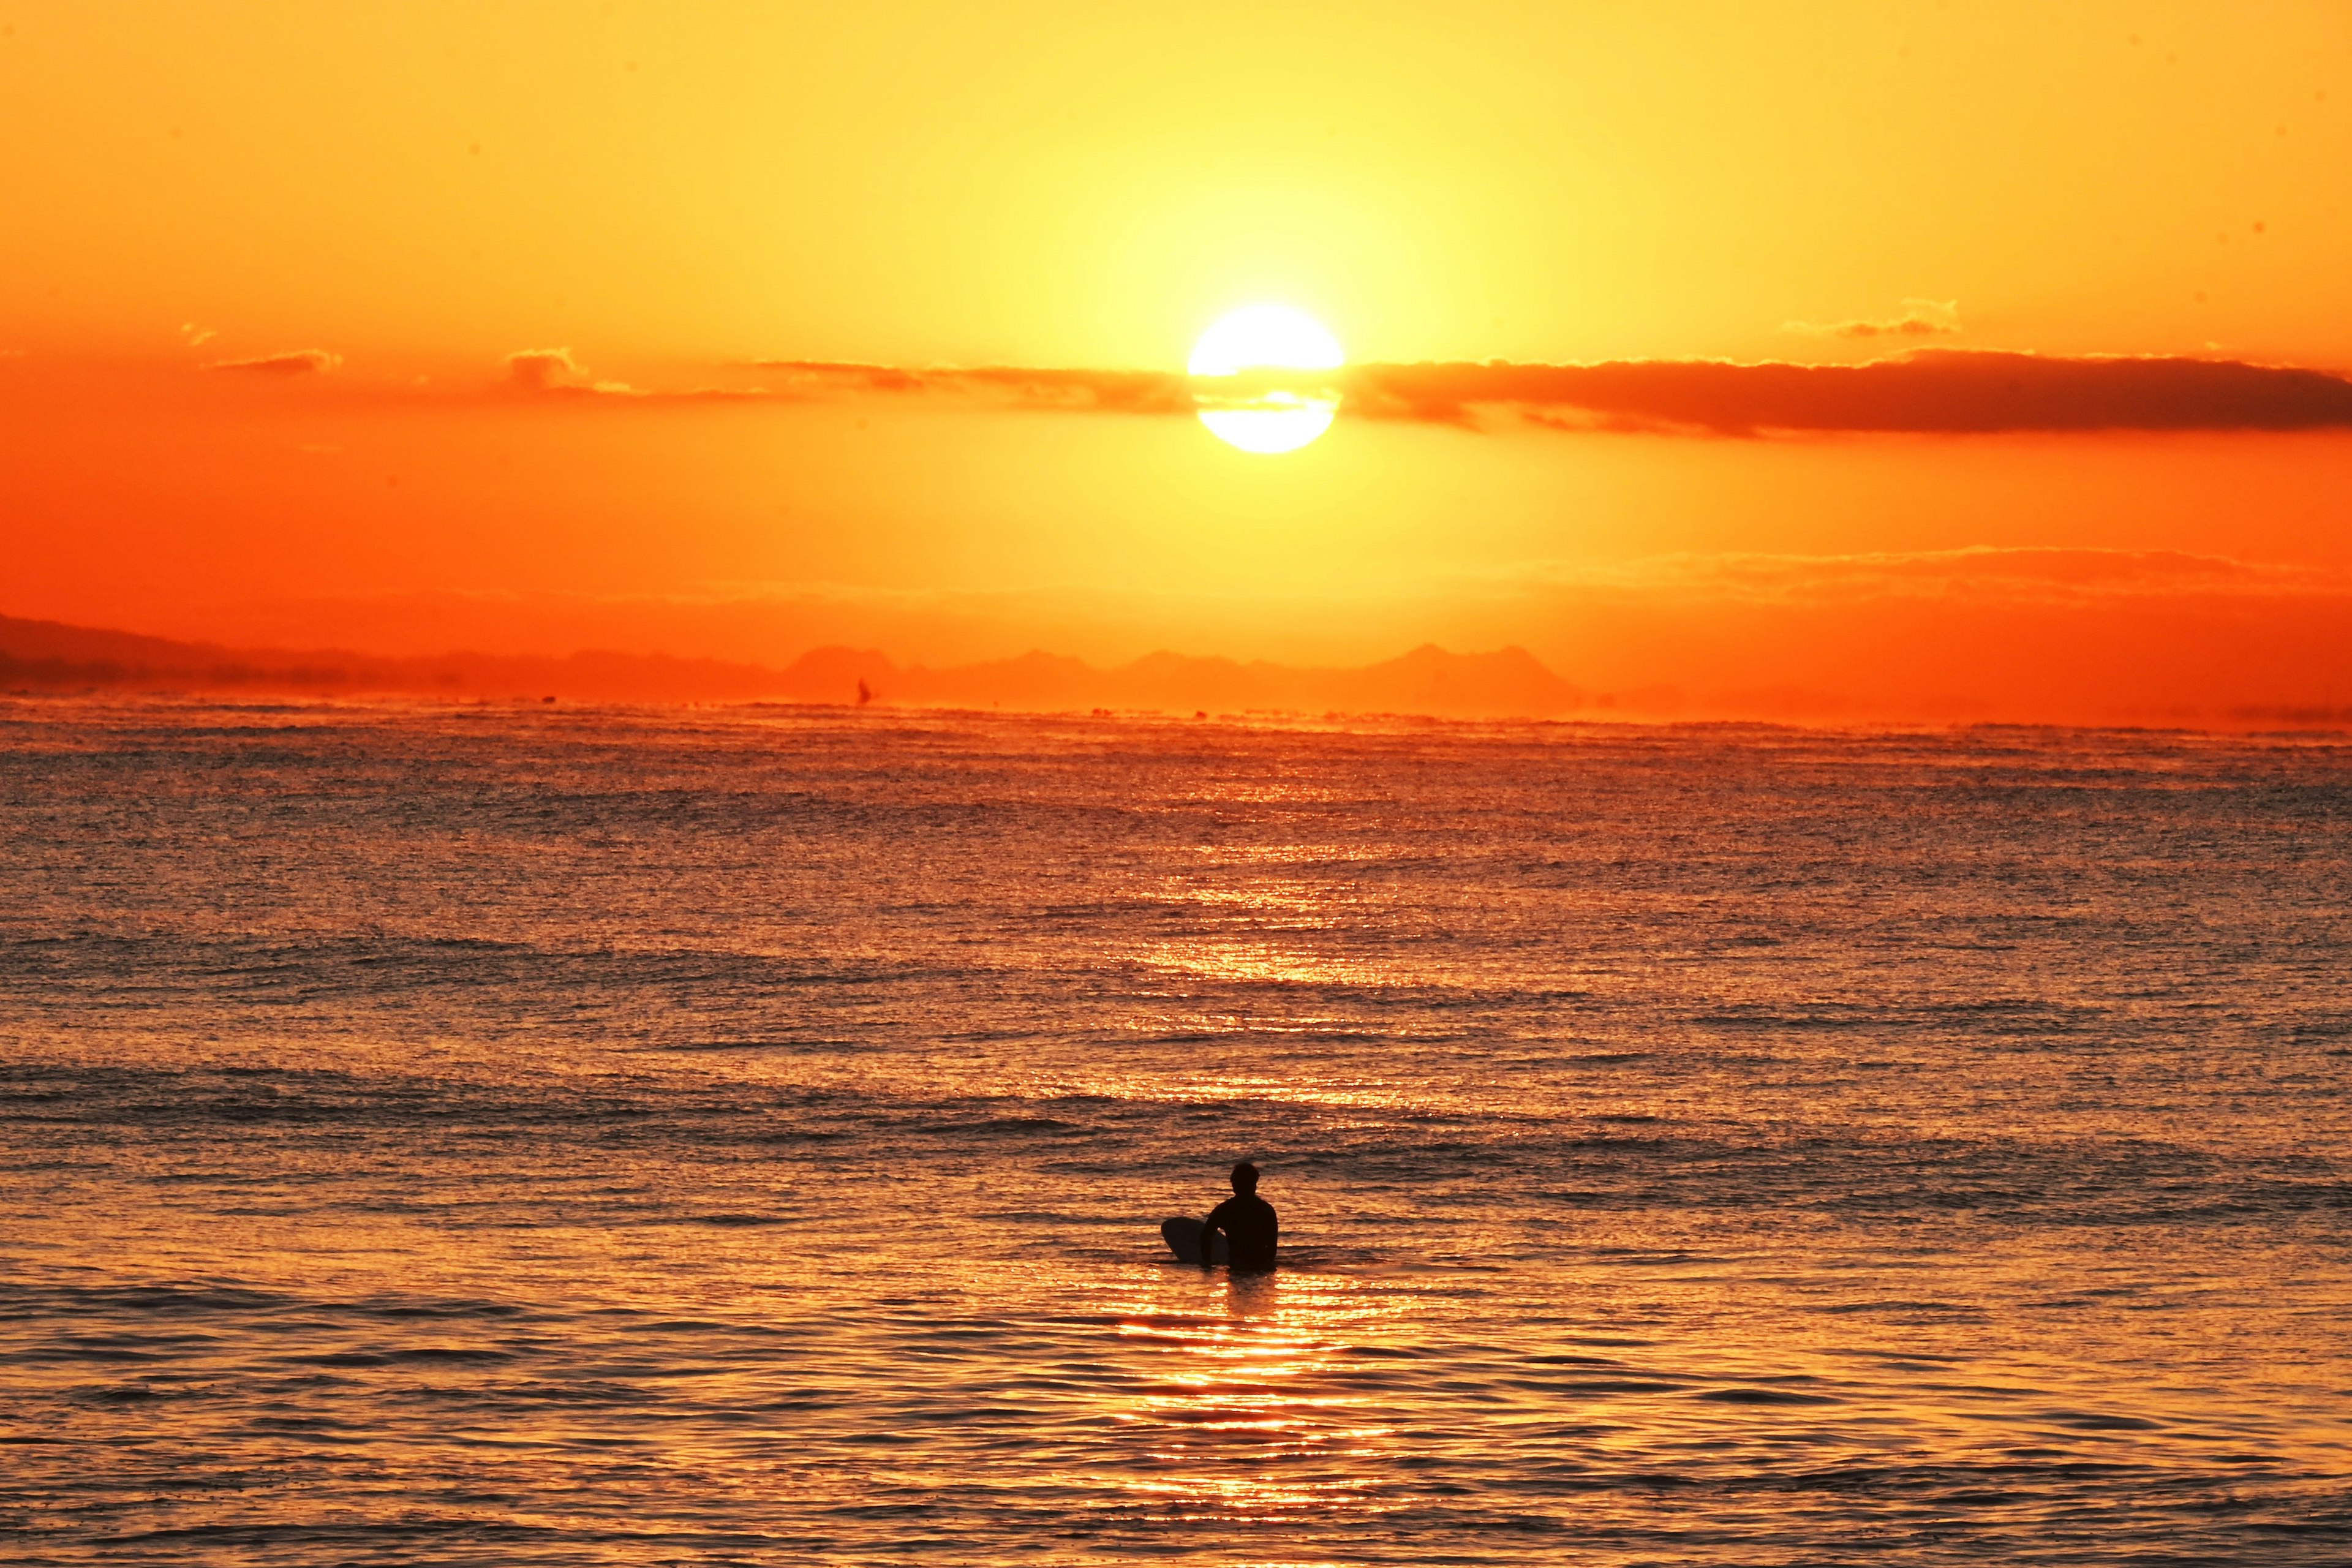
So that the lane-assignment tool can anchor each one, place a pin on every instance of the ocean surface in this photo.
(528, 1134)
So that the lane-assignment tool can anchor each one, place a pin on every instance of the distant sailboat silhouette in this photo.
(863, 695)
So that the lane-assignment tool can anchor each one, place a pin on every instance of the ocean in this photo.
(531, 1134)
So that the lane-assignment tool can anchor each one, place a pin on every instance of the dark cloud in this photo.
(544, 370)
(298, 361)
(1947, 391)
(847, 376)
(1096, 391)
(1925, 390)
(1920, 318)
(1930, 390)
(554, 374)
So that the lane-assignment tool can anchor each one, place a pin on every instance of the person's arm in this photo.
(1209, 1228)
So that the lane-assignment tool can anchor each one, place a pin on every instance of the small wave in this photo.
(690, 1046)
(2097, 1421)
(399, 1311)
(1764, 1396)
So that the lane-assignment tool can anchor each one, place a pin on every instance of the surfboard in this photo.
(1183, 1238)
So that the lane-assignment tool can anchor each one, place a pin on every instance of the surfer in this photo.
(1247, 1221)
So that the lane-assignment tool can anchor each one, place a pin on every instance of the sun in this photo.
(1263, 410)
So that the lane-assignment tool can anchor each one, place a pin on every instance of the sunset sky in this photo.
(520, 328)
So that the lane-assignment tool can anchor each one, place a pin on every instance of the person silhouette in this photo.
(1248, 1222)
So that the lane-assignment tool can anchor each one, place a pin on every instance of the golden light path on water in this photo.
(1241, 1413)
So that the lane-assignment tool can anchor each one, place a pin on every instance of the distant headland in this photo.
(53, 658)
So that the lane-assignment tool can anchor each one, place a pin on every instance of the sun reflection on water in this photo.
(1264, 963)
(1257, 1412)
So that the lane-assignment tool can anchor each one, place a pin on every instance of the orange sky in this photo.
(413, 192)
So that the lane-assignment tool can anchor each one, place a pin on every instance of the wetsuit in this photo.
(1249, 1226)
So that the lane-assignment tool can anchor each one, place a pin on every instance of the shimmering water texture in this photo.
(501, 1136)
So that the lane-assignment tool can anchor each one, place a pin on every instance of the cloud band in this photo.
(1947, 391)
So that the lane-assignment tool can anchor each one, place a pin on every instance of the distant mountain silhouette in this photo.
(51, 657)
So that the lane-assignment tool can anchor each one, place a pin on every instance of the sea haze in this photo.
(474, 1135)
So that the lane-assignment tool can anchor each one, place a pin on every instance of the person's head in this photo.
(1245, 1178)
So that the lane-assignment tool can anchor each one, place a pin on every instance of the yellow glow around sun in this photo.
(1266, 412)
